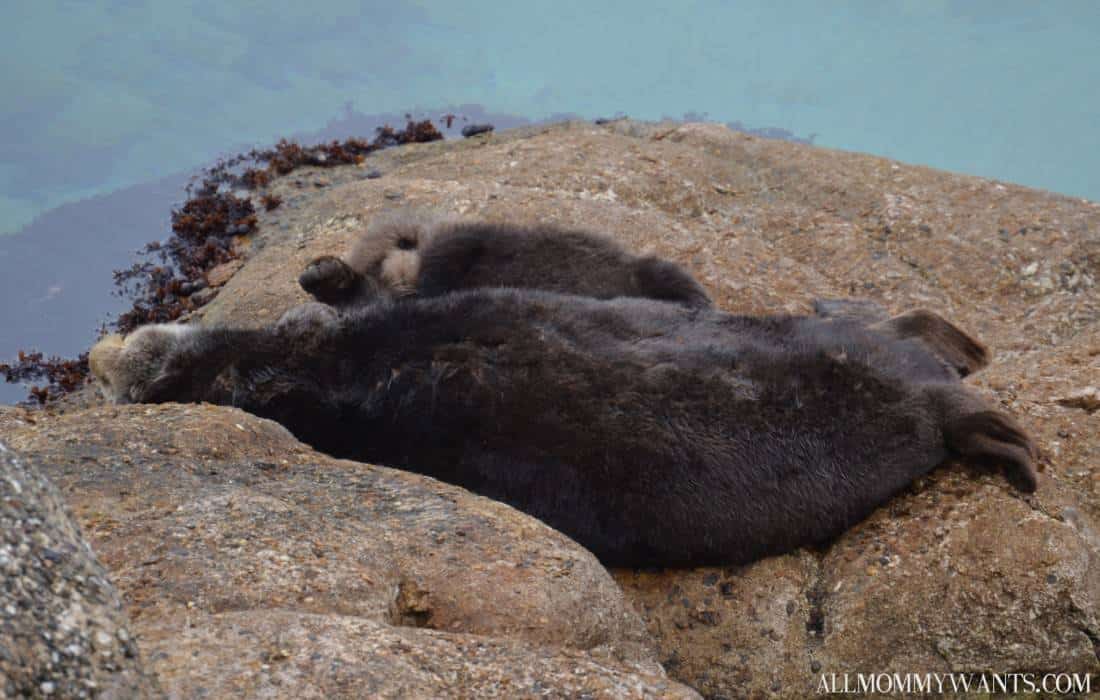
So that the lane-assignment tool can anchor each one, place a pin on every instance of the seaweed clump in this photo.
(62, 375)
(208, 230)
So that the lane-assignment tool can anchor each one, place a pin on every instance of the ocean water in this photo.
(98, 96)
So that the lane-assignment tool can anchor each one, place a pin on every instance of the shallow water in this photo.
(95, 97)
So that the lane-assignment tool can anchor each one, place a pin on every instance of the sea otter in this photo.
(414, 252)
(651, 433)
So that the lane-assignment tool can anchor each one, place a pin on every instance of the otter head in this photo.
(389, 251)
(102, 360)
(126, 367)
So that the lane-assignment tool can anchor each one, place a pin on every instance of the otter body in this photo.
(412, 253)
(651, 433)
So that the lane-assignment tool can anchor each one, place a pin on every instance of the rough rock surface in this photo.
(62, 630)
(960, 573)
(251, 564)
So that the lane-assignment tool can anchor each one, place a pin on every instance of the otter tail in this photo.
(994, 437)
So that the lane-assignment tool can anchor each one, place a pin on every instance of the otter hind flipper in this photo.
(955, 347)
(990, 436)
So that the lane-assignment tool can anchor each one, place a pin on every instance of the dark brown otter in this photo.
(653, 434)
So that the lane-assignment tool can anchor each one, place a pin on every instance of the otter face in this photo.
(125, 367)
(399, 271)
(389, 251)
(102, 360)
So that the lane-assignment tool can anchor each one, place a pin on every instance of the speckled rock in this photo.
(958, 575)
(62, 631)
(303, 655)
(959, 572)
(230, 540)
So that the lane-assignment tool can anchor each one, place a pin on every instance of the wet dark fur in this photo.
(467, 255)
(651, 433)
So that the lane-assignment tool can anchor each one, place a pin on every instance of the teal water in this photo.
(99, 95)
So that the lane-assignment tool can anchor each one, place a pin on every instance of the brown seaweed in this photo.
(170, 280)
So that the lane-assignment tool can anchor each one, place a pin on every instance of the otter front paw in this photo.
(330, 280)
(127, 367)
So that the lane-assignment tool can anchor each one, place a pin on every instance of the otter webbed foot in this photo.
(990, 436)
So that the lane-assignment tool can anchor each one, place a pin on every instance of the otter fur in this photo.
(651, 433)
(413, 252)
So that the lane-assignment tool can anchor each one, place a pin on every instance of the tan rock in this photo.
(226, 535)
(731, 632)
(968, 578)
(1087, 399)
(217, 276)
(302, 655)
(959, 573)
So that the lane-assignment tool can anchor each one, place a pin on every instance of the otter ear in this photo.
(127, 367)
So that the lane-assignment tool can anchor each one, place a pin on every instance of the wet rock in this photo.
(475, 129)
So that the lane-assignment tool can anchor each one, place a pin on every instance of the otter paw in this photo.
(126, 367)
(330, 280)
